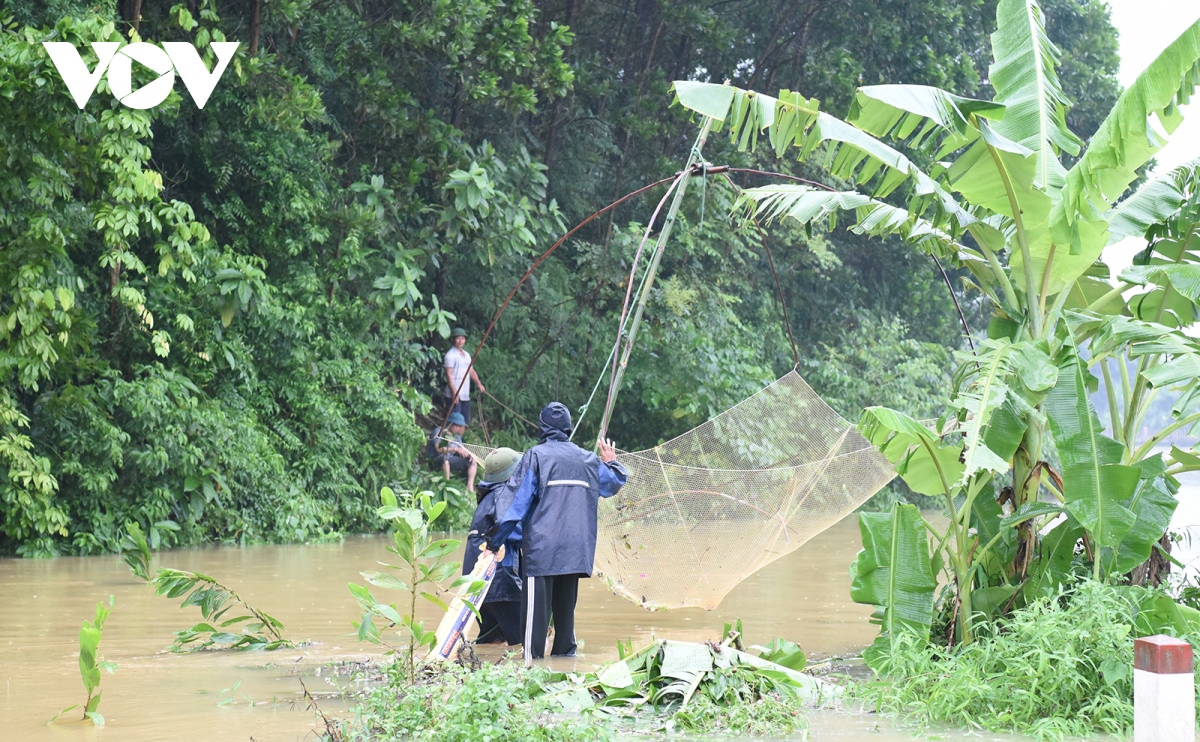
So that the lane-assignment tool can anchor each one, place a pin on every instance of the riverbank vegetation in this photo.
(225, 325)
(1060, 667)
(1039, 493)
(681, 687)
(497, 702)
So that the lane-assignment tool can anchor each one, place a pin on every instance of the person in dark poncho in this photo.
(501, 609)
(553, 496)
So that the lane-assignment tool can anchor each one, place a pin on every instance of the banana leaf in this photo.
(1124, 142)
(849, 152)
(811, 206)
(893, 572)
(1096, 485)
(1026, 83)
(920, 116)
(1158, 614)
(987, 392)
(1057, 565)
(1153, 504)
(922, 461)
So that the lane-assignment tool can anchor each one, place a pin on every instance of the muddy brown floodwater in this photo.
(156, 695)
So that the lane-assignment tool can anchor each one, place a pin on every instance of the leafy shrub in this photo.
(767, 715)
(1058, 667)
(424, 563)
(497, 703)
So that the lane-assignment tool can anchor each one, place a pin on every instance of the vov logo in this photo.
(117, 61)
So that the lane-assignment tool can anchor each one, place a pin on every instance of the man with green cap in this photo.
(459, 374)
(501, 609)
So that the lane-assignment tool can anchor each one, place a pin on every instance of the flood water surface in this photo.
(156, 695)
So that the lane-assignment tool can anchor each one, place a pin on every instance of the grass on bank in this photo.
(507, 703)
(495, 703)
(1059, 667)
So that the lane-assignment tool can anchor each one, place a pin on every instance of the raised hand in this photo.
(607, 450)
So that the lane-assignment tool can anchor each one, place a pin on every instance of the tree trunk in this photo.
(255, 25)
(1027, 479)
(1154, 570)
(556, 112)
(131, 12)
(439, 282)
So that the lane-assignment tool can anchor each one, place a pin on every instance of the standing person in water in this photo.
(553, 495)
(458, 385)
(500, 614)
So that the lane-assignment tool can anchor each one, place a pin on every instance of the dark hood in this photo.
(554, 423)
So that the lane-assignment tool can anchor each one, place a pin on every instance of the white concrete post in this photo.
(1164, 706)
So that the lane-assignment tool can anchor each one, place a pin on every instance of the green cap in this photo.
(458, 332)
(499, 464)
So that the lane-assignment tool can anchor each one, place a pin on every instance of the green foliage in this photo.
(496, 702)
(1095, 483)
(702, 688)
(742, 711)
(424, 563)
(460, 504)
(876, 361)
(893, 572)
(980, 184)
(1058, 667)
(783, 652)
(257, 630)
(227, 319)
(125, 355)
(136, 551)
(91, 663)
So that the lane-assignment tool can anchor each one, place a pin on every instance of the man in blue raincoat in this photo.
(553, 495)
(500, 613)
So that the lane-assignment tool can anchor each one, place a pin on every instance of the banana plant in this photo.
(980, 184)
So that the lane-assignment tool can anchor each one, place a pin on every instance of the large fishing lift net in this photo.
(704, 511)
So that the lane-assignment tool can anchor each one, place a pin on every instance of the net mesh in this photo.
(704, 511)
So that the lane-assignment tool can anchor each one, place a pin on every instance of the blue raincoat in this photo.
(553, 496)
(506, 585)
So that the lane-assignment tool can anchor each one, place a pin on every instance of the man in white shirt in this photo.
(457, 361)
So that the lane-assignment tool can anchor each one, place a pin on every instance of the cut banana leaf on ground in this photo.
(667, 674)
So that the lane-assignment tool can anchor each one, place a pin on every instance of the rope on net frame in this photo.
(760, 479)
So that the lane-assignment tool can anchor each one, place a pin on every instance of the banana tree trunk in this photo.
(1026, 484)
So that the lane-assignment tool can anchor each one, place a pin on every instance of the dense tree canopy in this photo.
(226, 324)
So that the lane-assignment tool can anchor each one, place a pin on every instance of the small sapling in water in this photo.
(136, 546)
(136, 551)
(90, 664)
(424, 564)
